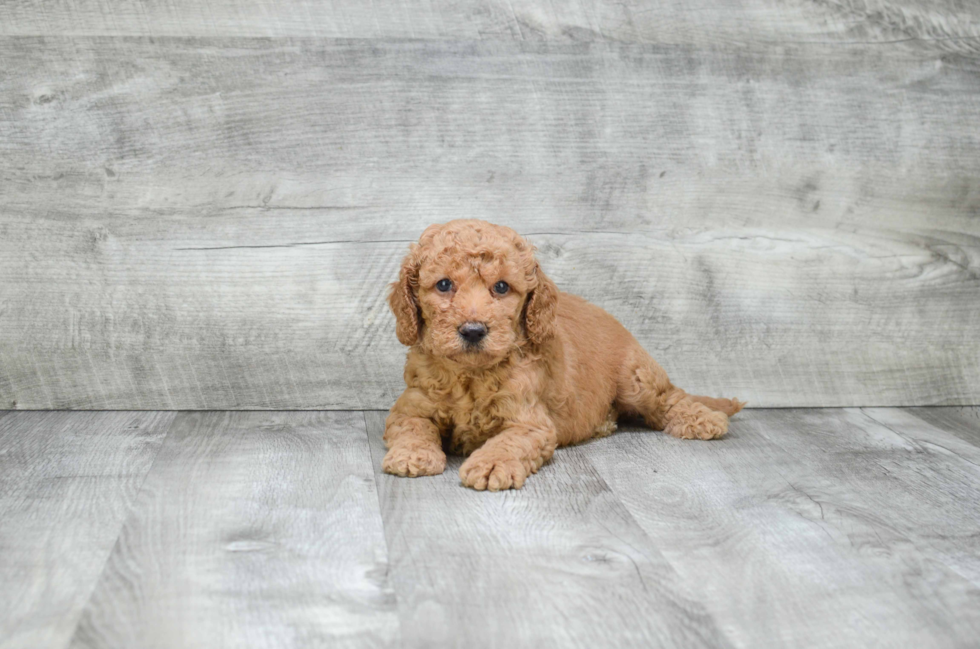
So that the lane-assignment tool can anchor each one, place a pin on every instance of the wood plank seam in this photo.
(131, 510)
(376, 462)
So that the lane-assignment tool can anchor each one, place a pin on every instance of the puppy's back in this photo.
(592, 331)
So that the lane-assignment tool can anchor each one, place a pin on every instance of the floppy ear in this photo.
(402, 300)
(541, 311)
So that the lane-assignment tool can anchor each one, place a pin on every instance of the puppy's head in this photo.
(472, 292)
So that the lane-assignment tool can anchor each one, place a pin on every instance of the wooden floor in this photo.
(803, 528)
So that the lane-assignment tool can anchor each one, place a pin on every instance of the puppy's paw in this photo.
(697, 422)
(414, 461)
(487, 471)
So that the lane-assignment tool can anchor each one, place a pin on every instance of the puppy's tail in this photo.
(727, 406)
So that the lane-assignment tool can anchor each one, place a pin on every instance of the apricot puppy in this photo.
(505, 368)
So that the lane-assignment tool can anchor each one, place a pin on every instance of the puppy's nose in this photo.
(473, 332)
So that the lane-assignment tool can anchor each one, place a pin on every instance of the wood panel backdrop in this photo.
(201, 202)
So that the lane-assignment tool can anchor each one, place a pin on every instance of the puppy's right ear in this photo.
(402, 299)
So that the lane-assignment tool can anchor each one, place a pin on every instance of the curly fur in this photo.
(553, 369)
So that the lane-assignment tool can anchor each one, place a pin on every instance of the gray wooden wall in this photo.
(201, 201)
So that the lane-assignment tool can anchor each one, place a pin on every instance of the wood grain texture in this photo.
(949, 524)
(559, 563)
(67, 481)
(950, 25)
(962, 422)
(802, 528)
(213, 221)
(252, 529)
(821, 528)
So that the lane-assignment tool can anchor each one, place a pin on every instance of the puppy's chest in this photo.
(472, 413)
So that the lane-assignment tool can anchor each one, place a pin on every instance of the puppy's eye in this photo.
(501, 287)
(444, 285)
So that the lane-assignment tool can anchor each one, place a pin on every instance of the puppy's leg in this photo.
(645, 389)
(508, 458)
(414, 442)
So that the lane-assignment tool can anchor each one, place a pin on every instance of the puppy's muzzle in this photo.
(472, 333)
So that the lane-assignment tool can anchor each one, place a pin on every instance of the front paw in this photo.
(489, 471)
(414, 461)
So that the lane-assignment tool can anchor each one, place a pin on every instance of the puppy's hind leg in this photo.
(644, 389)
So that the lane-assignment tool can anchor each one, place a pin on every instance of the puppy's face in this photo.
(471, 305)
(471, 292)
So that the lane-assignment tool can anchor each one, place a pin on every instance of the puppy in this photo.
(503, 367)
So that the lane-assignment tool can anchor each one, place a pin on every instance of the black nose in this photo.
(473, 332)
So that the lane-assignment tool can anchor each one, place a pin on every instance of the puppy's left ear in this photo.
(541, 310)
(402, 299)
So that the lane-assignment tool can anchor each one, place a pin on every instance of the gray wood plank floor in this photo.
(802, 528)
(557, 564)
(66, 484)
(253, 529)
